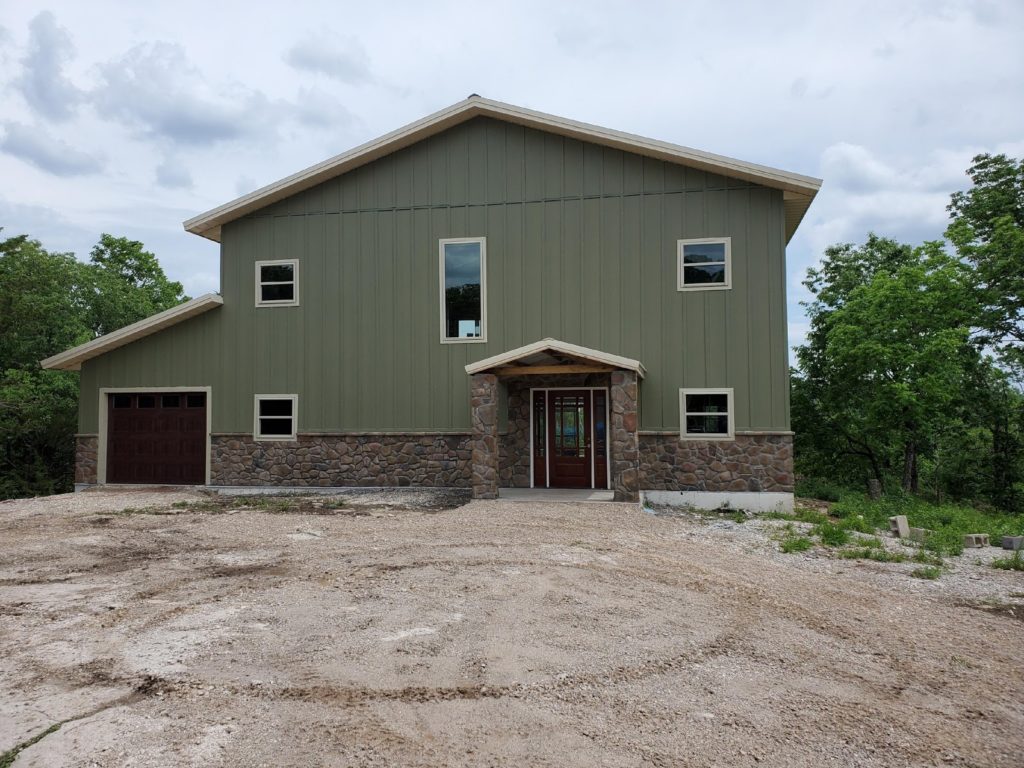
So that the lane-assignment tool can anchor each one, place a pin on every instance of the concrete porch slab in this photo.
(555, 494)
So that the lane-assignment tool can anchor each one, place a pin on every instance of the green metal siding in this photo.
(581, 246)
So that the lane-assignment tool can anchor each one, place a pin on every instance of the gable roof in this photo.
(798, 190)
(544, 350)
(72, 359)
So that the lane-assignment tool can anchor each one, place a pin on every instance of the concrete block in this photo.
(975, 540)
(918, 534)
(899, 526)
(1013, 542)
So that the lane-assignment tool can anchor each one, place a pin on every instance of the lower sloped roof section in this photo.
(539, 351)
(72, 359)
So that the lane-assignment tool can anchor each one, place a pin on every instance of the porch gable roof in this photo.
(553, 350)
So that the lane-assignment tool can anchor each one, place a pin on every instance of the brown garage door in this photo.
(157, 437)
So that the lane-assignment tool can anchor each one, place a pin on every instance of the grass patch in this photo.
(794, 542)
(871, 553)
(1013, 563)
(949, 522)
(927, 557)
(800, 515)
(7, 758)
(926, 572)
(831, 535)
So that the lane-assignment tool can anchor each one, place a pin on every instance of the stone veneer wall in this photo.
(514, 443)
(748, 463)
(622, 430)
(86, 452)
(483, 403)
(439, 460)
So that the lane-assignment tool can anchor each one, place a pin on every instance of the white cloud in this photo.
(36, 146)
(171, 174)
(340, 58)
(42, 82)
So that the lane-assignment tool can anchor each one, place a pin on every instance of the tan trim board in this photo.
(72, 359)
(800, 189)
(101, 450)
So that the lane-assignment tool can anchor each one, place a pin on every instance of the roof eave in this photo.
(72, 359)
(549, 344)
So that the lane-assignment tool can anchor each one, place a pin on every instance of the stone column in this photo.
(86, 453)
(483, 399)
(625, 448)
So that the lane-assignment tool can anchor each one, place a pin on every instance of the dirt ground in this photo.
(166, 629)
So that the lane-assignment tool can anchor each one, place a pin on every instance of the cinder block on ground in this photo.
(899, 526)
(975, 540)
(918, 534)
(1013, 542)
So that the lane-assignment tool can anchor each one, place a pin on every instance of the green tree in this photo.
(127, 284)
(987, 231)
(887, 353)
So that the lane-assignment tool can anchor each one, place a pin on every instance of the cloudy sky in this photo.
(128, 118)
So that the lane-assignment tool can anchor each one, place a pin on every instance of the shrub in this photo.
(831, 534)
(1014, 563)
(926, 572)
(792, 544)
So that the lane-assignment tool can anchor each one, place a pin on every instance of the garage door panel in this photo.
(157, 437)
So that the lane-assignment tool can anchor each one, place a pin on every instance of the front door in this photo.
(569, 438)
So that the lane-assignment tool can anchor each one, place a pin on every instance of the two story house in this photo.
(488, 297)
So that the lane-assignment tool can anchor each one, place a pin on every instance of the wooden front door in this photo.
(569, 438)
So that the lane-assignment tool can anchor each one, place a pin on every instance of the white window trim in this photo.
(293, 302)
(256, 436)
(680, 286)
(483, 288)
(729, 404)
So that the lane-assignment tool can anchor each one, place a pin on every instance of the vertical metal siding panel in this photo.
(390, 317)
(759, 375)
(317, 318)
(404, 321)
(653, 176)
(402, 177)
(515, 163)
(512, 291)
(440, 354)
(290, 331)
(630, 257)
(425, 307)
(491, 219)
(655, 270)
(383, 174)
(590, 278)
(458, 165)
(88, 392)
(593, 170)
(420, 160)
(694, 334)
(477, 159)
(611, 274)
(369, 345)
(533, 164)
(778, 254)
(612, 162)
(351, 332)
(743, 284)
(332, 195)
(496, 164)
(333, 311)
(438, 149)
(554, 162)
(550, 290)
(533, 271)
(673, 351)
(573, 268)
(573, 168)
(632, 174)
(717, 303)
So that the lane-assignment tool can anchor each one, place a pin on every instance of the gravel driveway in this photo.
(166, 629)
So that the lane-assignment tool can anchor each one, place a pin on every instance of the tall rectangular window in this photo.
(277, 283)
(463, 265)
(705, 263)
(706, 414)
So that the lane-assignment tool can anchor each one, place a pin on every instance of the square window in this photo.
(122, 401)
(147, 401)
(706, 414)
(277, 283)
(463, 272)
(170, 401)
(705, 264)
(276, 417)
(195, 401)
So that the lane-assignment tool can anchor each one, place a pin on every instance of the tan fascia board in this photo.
(208, 224)
(554, 345)
(72, 359)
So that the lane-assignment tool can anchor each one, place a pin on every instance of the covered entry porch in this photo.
(554, 415)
